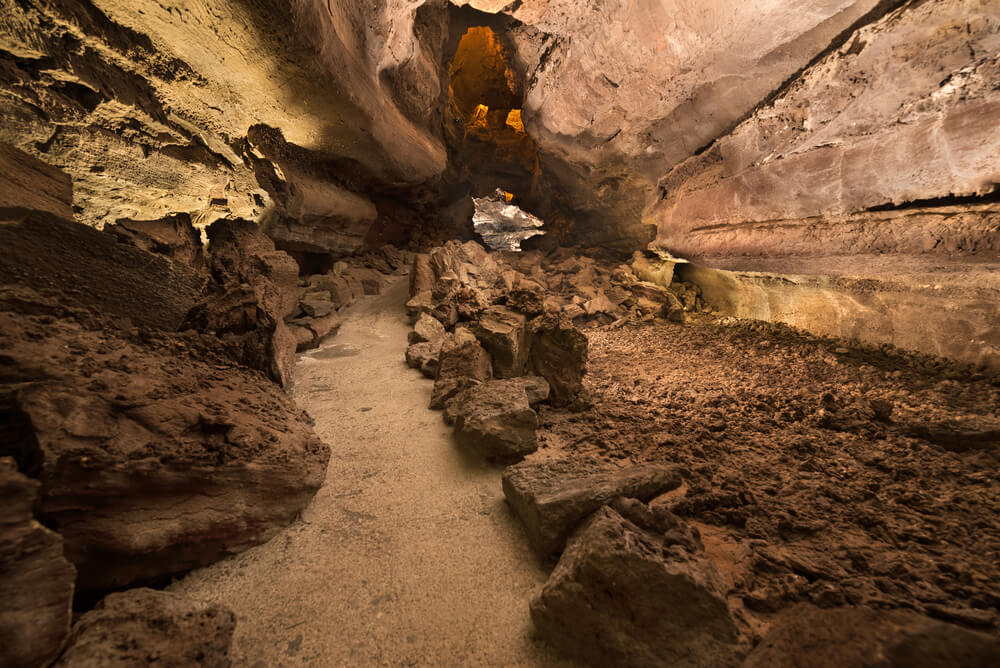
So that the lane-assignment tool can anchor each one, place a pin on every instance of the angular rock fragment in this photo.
(427, 328)
(143, 627)
(160, 456)
(463, 363)
(425, 357)
(421, 303)
(551, 497)
(36, 581)
(621, 596)
(310, 332)
(804, 635)
(558, 352)
(503, 333)
(495, 420)
(421, 274)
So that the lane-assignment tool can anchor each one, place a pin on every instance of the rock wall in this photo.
(149, 107)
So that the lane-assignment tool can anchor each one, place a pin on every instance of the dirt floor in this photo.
(816, 470)
(408, 555)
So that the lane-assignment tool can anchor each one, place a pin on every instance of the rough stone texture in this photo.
(147, 627)
(421, 275)
(558, 352)
(804, 636)
(463, 363)
(495, 420)
(36, 581)
(29, 184)
(148, 107)
(551, 497)
(622, 596)
(137, 287)
(426, 329)
(173, 236)
(256, 287)
(504, 334)
(905, 309)
(903, 112)
(618, 93)
(426, 357)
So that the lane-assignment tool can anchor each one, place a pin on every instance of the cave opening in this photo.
(489, 145)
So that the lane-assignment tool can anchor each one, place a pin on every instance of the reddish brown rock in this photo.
(504, 334)
(558, 352)
(463, 363)
(806, 636)
(494, 419)
(552, 496)
(36, 581)
(623, 596)
(156, 452)
(149, 627)
(173, 236)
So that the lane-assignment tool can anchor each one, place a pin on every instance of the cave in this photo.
(477, 332)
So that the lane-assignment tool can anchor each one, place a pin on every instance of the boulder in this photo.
(527, 297)
(536, 387)
(421, 274)
(504, 334)
(248, 329)
(551, 497)
(239, 252)
(804, 635)
(421, 303)
(310, 332)
(143, 627)
(173, 236)
(463, 363)
(601, 305)
(426, 329)
(36, 581)
(622, 596)
(495, 420)
(156, 453)
(425, 356)
(558, 352)
(315, 306)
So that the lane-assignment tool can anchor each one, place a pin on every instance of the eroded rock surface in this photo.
(36, 581)
(145, 626)
(808, 636)
(623, 596)
(551, 497)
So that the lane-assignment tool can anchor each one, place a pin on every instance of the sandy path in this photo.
(408, 555)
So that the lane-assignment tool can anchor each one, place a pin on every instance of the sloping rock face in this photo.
(145, 626)
(807, 636)
(877, 167)
(901, 113)
(36, 581)
(155, 450)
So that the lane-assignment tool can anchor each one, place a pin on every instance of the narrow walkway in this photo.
(408, 555)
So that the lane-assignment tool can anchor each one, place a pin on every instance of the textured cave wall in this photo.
(621, 91)
(862, 201)
(148, 106)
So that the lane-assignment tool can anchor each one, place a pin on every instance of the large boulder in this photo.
(143, 627)
(805, 636)
(495, 420)
(256, 288)
(558, 352)
(624, 596)
(426, 357)
(463, 363)
(156, 453)
(36, 581)
(504, 334)
(421, 274)
(551, 497)
(173, 236)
